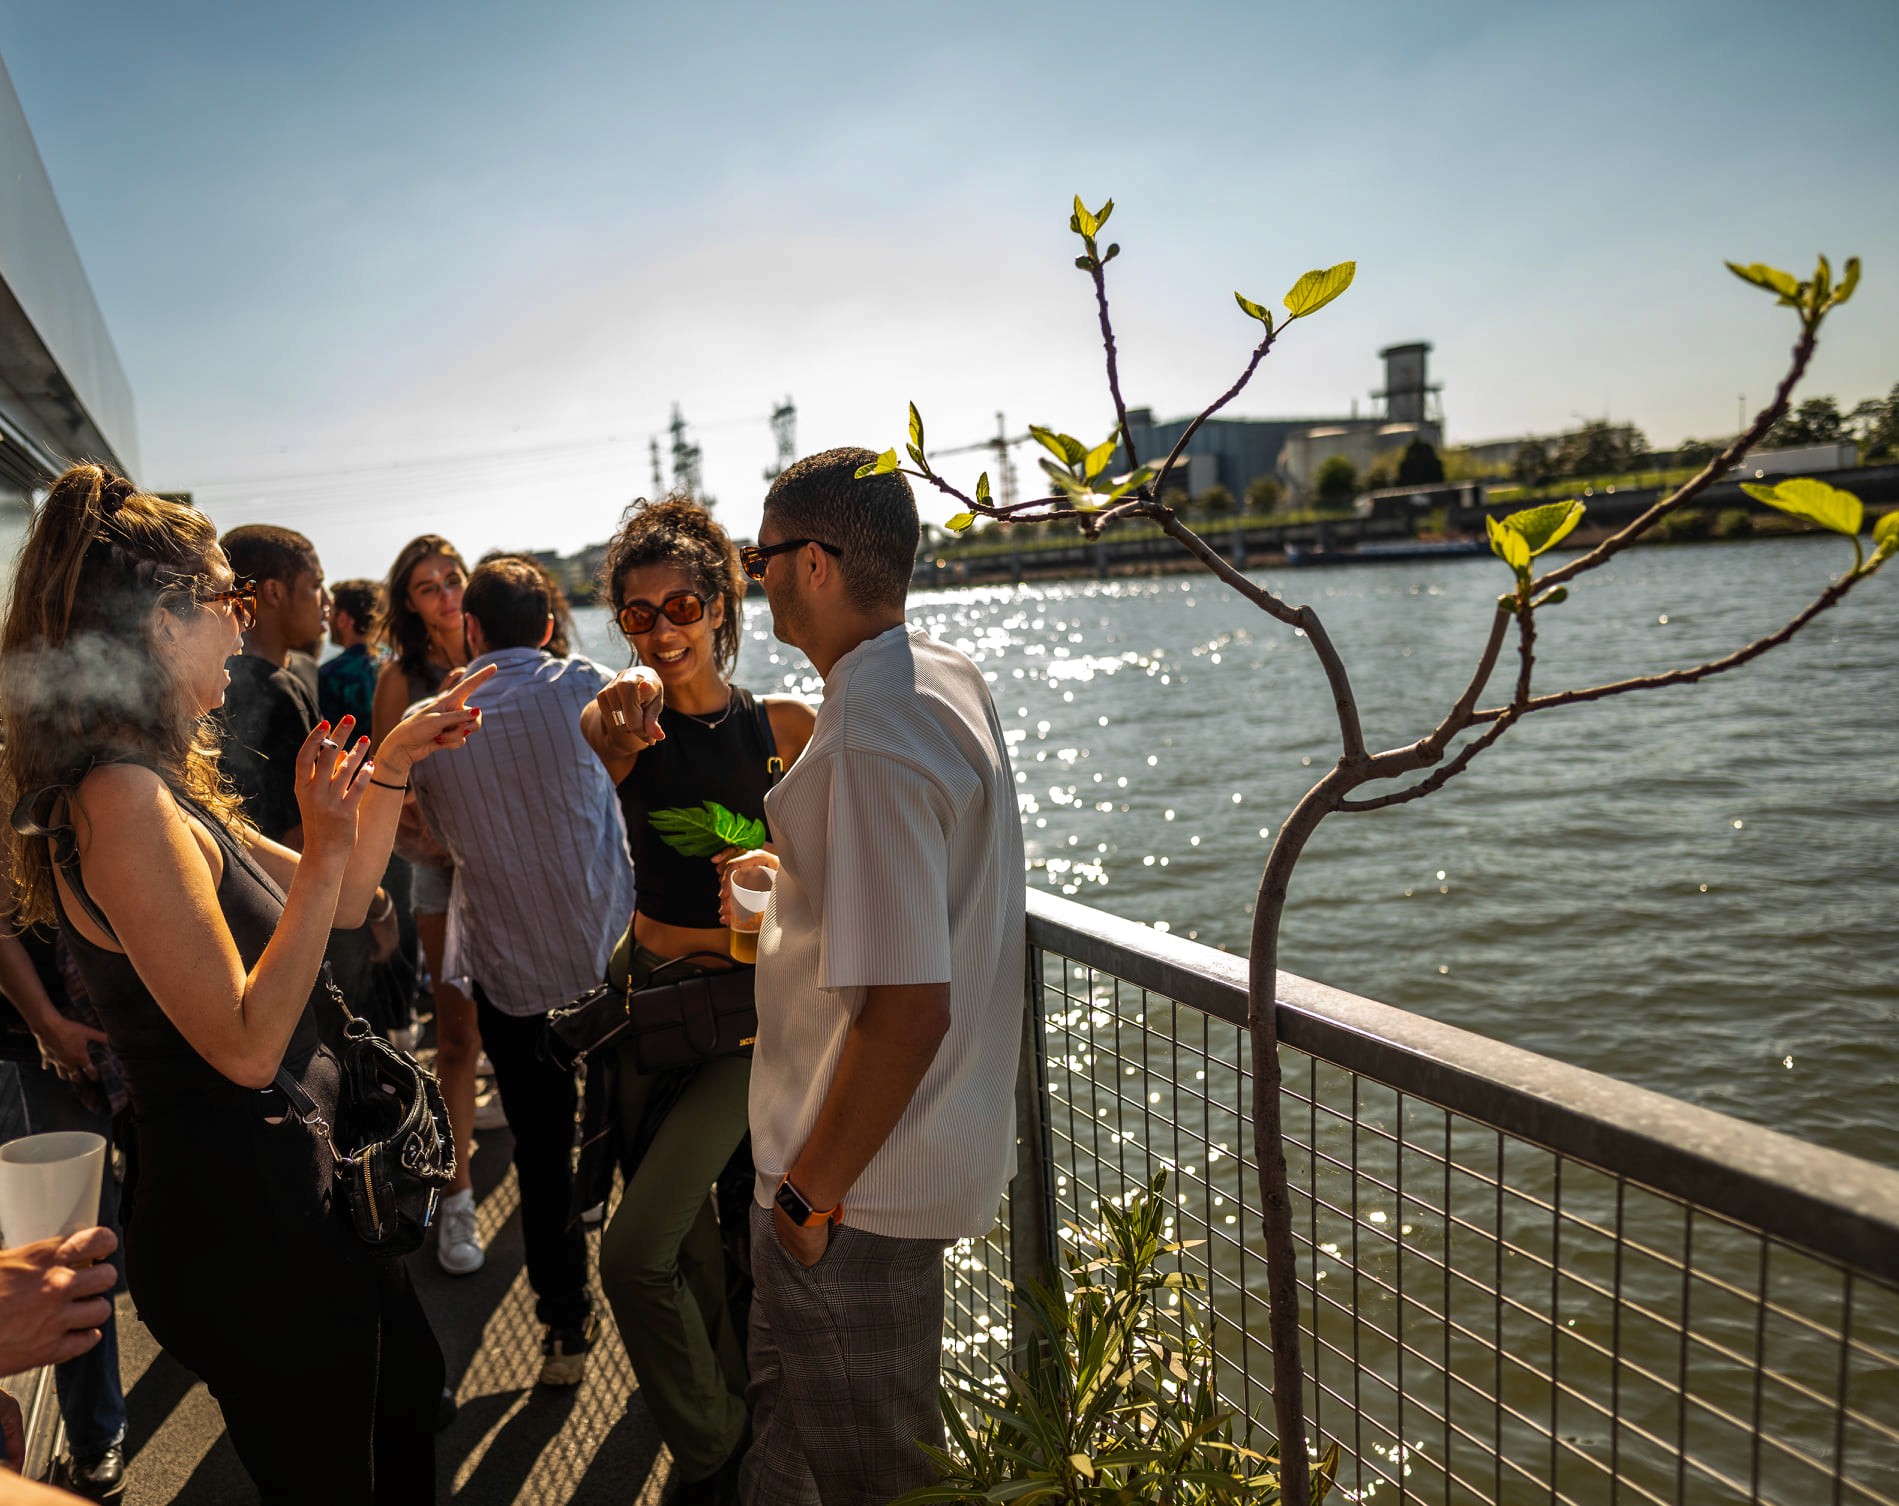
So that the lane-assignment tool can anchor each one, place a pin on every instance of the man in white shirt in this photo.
(890, 1000)
(543, 886)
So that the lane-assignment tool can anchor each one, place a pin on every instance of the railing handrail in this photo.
(1825, 1201)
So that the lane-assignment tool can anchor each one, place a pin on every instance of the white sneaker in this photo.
(457, 1246)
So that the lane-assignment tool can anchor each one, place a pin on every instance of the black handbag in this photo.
(389, 1134)
(676, 1024)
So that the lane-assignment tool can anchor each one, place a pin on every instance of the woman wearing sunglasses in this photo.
(676, 589)
(199, 943)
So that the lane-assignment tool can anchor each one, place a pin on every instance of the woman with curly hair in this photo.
(200, 943)
(693, 793)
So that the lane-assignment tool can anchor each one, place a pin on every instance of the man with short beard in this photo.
(890, 1001)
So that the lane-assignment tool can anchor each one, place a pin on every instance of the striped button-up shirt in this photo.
(543, 884)
(902, 863)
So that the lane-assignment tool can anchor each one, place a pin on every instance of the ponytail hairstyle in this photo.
(678, 531)
(403, 632)
(81, 679)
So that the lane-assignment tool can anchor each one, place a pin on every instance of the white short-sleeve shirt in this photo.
(902, 863)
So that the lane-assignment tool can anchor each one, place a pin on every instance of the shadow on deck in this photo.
(510, 1442)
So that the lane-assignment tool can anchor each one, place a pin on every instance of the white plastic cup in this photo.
(751, 892)
(49, 1185)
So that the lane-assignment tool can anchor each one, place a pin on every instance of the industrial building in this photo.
(1233, 452)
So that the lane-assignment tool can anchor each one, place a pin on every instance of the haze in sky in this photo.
(378, 269)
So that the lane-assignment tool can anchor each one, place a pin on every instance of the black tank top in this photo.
(164, 1074)
(696, 763)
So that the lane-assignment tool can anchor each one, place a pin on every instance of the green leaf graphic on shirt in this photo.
(708, 829)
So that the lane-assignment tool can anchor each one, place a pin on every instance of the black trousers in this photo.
(541, 1102)
(320, 1357)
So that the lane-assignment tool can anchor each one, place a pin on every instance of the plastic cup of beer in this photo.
(49, 1185)
(751, 890)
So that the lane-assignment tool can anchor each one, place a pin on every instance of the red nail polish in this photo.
(362, 742)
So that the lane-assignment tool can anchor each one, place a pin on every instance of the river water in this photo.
(1694, 889)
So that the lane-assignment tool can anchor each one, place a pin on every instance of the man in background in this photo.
(268, 711)
(543, 888)
(346, 685)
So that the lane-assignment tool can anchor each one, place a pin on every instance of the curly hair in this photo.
(678, 531)
(402, 630)
(81, 680)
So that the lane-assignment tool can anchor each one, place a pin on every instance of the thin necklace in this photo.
(731, 704)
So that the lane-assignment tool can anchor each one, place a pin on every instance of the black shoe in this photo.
(564, 1352)
(97, 1479)
(445, 1410)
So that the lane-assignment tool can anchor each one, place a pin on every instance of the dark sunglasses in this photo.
(637, 617)
(242, 597)
(753, 556)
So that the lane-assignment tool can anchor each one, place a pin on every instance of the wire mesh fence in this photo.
(1515, 1287)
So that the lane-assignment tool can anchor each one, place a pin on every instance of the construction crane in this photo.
(1005, 467)
(784, 433)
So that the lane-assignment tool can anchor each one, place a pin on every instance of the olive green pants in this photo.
(663, 1268)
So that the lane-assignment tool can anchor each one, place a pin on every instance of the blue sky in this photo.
(373, 269)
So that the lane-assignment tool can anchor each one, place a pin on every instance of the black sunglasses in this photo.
(637, 617)
(753, 556)
(242, 597)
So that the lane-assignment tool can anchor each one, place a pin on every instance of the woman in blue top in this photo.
(673, 580)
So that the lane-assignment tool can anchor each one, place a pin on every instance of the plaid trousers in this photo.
(846, 1360)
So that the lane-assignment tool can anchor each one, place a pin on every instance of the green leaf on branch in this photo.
(1546, 526)
(1088, 225)
(916, 427)
(1886, 536)
(982, 487)
(917, 456)
(1508, 545)
(883, 465)
(961, 522)
(1071, 450)
(706, 830)
(1096, 460)
(1814, 500)
(1847, 283)
(1771, 278)
(1254, 310)
(1553, 598)
(1139, 476)
(1316, 289)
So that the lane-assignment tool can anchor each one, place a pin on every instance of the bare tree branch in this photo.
(1713, 471)
(1430, 748)
(1099, 272)
(1344, 703)
(1180, 444)
(1502, 718)
(1827, 598)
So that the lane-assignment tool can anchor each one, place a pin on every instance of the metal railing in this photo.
(1522, 1281)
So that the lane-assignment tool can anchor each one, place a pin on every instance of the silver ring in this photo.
(619, 717)
(326, 743)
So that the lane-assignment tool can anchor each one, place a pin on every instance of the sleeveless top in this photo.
(725, 764)
(164, 1073)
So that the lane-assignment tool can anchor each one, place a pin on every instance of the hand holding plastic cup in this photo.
(49, 1185)
(751, 892)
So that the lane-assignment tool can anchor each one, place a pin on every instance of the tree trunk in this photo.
(1282, 1261)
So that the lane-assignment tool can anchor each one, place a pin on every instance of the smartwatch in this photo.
(799, 1210)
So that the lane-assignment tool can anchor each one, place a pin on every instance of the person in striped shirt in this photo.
(890, 1000)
